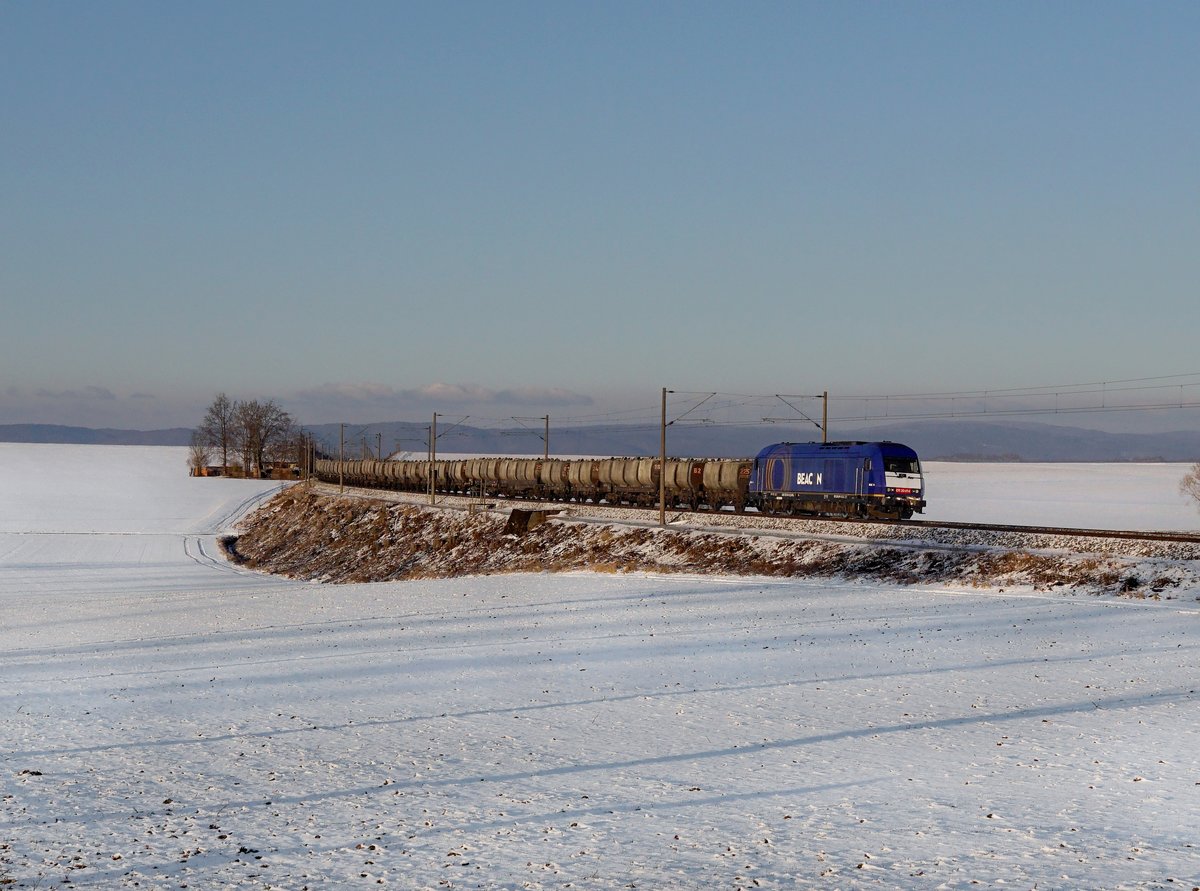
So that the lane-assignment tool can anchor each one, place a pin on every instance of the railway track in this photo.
(1127, 534)
(1134, 534)
(1124, 534)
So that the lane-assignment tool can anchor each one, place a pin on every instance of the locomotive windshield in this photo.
(902, 465)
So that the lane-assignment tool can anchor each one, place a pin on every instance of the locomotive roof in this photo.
(844, 442)
(839, 445)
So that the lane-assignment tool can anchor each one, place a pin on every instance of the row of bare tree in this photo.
(257, 433)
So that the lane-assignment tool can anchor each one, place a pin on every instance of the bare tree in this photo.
(217, 428)
(286, 446)
(261, 428)
(199, 453)
(1190, 484)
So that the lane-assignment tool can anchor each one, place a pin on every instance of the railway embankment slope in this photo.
(322, 536)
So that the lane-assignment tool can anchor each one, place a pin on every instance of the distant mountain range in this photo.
(88, 436)
(933, 440)
(971, 441)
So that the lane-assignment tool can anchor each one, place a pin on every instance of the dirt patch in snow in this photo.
(316, 536)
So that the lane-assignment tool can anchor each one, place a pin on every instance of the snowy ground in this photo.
(1095, 496)
(167, 720)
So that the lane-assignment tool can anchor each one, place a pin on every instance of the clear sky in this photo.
(372, 211)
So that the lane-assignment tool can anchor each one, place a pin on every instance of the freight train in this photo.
(848, 479)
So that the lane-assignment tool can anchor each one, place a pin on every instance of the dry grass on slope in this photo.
(337, 539)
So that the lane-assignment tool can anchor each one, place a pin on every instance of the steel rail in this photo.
(1129, 534)
(1126, 534)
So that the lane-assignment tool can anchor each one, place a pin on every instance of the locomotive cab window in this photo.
(902, 465)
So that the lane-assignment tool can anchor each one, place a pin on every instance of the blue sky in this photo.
(374, 211)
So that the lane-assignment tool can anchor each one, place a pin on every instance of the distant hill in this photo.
(933, 440)
(175, 436)
(971, 441)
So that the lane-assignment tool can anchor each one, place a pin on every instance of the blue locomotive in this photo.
(874, 479)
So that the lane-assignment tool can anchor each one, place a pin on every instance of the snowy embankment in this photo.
(373, 536)
(169, 721)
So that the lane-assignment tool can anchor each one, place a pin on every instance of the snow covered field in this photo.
(1095, 496)
(169, 720)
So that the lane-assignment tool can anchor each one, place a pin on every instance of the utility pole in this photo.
(825, 416)
(545, 437)
(432, 456)
(341, 458)
(662, 466)
(379, 446)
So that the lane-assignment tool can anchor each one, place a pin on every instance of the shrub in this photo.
(1190, 484)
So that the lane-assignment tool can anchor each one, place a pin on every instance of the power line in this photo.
(1045, 387)
(1017, 411)
(710, 408)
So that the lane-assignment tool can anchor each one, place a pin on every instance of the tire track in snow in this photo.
(194, 543)
(233, 515)
(201, 557)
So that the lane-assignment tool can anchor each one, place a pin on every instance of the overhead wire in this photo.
(721, 409)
